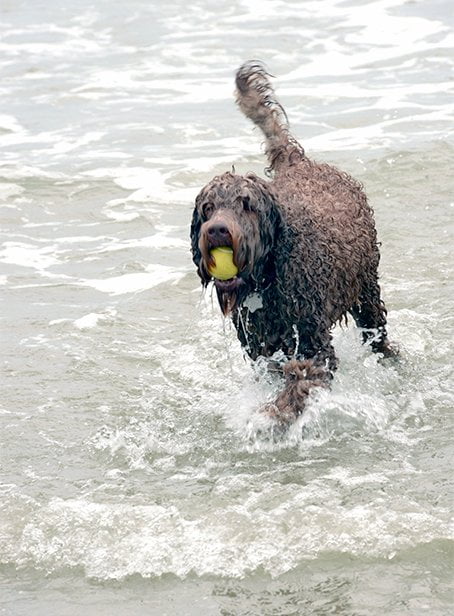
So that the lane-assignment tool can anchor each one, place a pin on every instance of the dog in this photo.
(304, 248)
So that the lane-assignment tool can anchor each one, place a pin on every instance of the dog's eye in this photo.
(247, 204)
(207, 210)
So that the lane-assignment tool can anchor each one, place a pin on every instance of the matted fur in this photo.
(305, 246)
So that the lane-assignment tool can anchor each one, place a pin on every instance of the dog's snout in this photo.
(219, 232)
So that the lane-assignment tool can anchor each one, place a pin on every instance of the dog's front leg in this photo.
(300, 377)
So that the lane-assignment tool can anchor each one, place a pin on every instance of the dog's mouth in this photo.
(228, 286)
(222, 265)
(226, 275)
(224, 260)
(221, 262)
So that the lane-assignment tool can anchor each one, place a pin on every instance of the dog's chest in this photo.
(260, 327)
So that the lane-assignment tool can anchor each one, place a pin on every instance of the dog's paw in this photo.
(389, 350)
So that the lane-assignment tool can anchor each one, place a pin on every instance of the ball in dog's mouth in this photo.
(224, 267)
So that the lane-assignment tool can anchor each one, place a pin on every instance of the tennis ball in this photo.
(224, 268)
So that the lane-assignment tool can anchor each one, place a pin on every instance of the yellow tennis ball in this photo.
(224, 267)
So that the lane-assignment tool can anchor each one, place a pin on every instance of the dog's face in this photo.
(238, 212)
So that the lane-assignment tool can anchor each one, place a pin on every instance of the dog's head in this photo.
(239, 212)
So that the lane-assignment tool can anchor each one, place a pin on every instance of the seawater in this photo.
(135, 474)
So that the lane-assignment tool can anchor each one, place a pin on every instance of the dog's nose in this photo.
(219, 232)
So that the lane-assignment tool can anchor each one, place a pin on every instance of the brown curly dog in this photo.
(305, 247)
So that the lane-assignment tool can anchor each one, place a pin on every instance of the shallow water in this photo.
(136, 478)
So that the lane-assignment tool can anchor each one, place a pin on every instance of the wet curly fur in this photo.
(305, 247)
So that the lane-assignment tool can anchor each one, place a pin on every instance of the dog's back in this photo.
(289, 166)
(312, 196)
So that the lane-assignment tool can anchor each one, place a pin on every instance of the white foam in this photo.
(88, 321)
(20, 171)
(160, 239)
(274, 529)
(10, 123)
(376, 34)
(146, 183)
(135, 282)
(28, 255)
(8, 190)
(121, 216)
(62, 146)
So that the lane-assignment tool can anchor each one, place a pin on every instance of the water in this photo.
(134, 476)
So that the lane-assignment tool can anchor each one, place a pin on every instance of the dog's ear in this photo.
(196, 224)
(271, 220)
(270, 229)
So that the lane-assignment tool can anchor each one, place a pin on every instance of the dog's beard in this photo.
(230, 294)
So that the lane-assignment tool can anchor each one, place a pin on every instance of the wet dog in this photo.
(305, 249)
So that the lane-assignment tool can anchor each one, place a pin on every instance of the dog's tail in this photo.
(256, 99)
